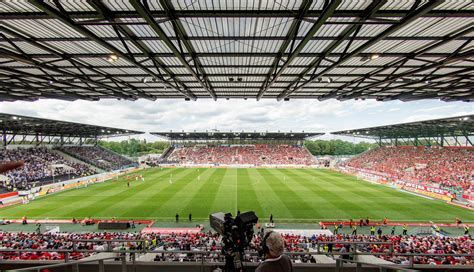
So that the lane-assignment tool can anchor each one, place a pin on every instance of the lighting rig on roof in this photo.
(112, 58)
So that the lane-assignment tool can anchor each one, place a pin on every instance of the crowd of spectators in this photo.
(258, 154)
(98, 156)
(449, 167)
(427, 245)
(64, 242)
(211, 243)
(40, 164)
(35, 241)
(401, 244)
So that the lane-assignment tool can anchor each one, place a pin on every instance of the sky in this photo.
(238, 114)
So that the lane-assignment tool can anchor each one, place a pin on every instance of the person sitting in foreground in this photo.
(273, 246)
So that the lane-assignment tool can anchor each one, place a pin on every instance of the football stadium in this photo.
(146, 196)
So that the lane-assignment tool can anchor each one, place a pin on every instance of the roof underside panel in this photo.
(406, 50)
(447, 127)
(26, 125)
(232, 135)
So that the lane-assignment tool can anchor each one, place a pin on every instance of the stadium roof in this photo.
(451, 127)
(26, 125)
(344, 49)
(237, 135)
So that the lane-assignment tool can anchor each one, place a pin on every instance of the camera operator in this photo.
(273, 246)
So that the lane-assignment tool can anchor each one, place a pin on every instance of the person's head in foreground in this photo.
(273, 246)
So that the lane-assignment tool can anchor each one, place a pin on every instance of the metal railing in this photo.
(75, 265)
(216, 257)
(405, 267)
(360, 265)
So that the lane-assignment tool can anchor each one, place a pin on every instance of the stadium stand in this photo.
(21, 240)
(172, 244)
(98, 156)
(401, 244)
(238, 148)
(44, 163)
(430, 155)
(41, 164)
(448, 167)
(257, 155)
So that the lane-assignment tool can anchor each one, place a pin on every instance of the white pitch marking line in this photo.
(236, 178)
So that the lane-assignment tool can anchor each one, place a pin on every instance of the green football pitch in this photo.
(291, 195)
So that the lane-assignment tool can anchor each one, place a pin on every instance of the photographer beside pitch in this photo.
(273, 245)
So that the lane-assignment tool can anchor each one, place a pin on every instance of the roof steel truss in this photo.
(316, 49)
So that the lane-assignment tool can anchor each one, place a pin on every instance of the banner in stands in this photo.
(305, 232)
(469, 195)
(9, 194)
(171, 230)
(425, 190)
(383, 178)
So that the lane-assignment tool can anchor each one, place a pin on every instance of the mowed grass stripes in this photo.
(292, 195)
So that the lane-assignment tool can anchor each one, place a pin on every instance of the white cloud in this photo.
(434, 109)
(237, 115)
(364, 104)
(420, 117)
(428, 116)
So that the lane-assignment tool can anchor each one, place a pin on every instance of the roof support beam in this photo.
(183, 38)
(403, 22)
(409, 96)
(239, 54)
(239, 66)
(440, 87)
(358, 92)
(254, 89)
(289, 38)
(84, 31)
(327, 12)
(122, 29)
(63, 56)
(283, 13)
(35, 94)
(60, 62)
(23, 59)
(458, 75)
(145, 13)
(23, 77)
(345, 35)
(5, 96)
(467, 96)
(233, 38)
(447, 39)
(225, 75)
